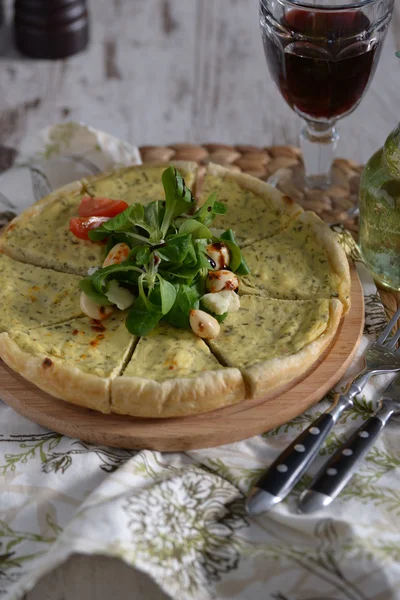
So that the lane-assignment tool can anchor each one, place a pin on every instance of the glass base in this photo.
(317, 182)
(334, 203)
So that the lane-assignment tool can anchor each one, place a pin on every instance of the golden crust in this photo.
(269, 375)
(261, 188)
(208, 391)
(57, 377)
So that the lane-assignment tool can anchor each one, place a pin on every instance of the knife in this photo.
(339, 469)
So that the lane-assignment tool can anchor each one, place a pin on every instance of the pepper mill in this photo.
(51, 28)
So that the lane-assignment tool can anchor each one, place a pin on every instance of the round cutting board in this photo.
(223, 426)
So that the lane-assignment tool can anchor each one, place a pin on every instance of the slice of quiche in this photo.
(303, 261)
(141, 183)
(255, 209)
(41, 235)
(74, 361)
(273, 341)
(172, 373)
(31, 296)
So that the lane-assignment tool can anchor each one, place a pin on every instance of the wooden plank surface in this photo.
(159, 71)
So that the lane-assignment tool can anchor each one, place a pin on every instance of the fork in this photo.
(280, 478)
(338, 470)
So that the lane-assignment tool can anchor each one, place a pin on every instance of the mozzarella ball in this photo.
(93, 310)
(221, 302)
(203, 324)
(220, 254)
(221, 280)
(117, 254)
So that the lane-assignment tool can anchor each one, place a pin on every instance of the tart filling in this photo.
(284, 315)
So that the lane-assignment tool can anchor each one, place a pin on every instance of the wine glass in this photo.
(322, 57)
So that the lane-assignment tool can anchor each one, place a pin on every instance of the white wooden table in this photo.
(162, 71)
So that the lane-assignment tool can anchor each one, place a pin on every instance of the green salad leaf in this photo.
(86, 286)
(140, 255)
(167, 295)
(176, 248)
(167, 266)
(220, 318)
(197, 229)
(187, 299)
(116, 238)
(118, 223)
(210, 209)
(178, 199)
(237, 262)
(140, 320)
(123, 272)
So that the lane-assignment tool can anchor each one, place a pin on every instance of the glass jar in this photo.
(380, 213)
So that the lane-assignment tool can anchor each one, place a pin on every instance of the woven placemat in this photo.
(283, 166)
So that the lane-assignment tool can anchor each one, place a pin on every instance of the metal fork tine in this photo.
(390, 344)
(389, 327)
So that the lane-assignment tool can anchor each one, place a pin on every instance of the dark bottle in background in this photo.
(51, 28)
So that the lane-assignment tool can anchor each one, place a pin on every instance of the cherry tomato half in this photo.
(80, 226)
(101, 207)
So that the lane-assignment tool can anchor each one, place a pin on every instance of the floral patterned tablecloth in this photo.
(180, 516)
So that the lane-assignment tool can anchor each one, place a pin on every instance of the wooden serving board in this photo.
(223, 426)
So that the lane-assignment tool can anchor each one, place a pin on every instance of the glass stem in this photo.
(318, 142)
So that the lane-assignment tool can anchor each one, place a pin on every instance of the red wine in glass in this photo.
(322, 55)
(324, 66)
